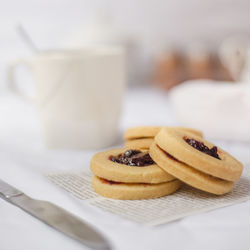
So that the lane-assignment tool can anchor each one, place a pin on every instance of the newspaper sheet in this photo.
(186, 201)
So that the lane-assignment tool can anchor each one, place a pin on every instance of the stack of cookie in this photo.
(195, 161)
(156, 160)
(130, 175)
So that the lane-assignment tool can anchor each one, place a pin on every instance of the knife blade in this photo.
(56, 217)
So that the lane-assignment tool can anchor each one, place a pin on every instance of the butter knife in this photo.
(55, 217)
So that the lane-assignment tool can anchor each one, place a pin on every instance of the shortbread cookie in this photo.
(139, 143)
(199, 154)
(133, 191)
(189, 175)
(151, 131)
(140, 169)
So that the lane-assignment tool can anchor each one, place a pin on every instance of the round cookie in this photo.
(139, 143)
(103, 167)
(133, 191)
(175, 143)
(188, 174)
(151, 131)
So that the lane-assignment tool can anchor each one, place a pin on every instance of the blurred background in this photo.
(166, 43)
(148, 28)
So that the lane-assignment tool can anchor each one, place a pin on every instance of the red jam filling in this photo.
(109, 182)
(202, 147)
(134, 158)
(167, 154)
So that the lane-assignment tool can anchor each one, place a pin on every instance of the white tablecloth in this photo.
(23, 160)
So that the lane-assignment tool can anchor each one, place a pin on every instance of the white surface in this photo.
(23, 159)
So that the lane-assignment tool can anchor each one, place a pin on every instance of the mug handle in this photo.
(11, 78)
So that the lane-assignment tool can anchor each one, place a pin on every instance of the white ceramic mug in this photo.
(78, 94)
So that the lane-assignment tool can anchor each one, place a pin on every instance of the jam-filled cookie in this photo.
(189, 175)
(133, 191)
(199, 154)
(129, 166)
(143, 143)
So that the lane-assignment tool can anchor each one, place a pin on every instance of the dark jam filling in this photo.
(109, 182)
(167, 154)
(203, 148)
(133, 158)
